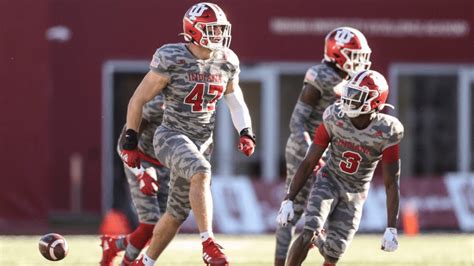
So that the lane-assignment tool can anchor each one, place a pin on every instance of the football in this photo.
(53, 247)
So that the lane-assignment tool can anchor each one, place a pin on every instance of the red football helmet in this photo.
(348, 49)
(206, 25)
(365, 93)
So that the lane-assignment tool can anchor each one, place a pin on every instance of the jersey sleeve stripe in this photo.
(391, 154)
(321, 137)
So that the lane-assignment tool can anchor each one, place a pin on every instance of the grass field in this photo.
(444, 249)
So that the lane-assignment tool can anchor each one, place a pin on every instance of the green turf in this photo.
(455, 249)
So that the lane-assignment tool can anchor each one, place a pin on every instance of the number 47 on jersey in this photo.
(202, 91)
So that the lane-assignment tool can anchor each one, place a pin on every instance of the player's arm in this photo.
(300, 117)
(391, 177)
(310, 95)
(152, 84)
(306, 167)
(240, 114)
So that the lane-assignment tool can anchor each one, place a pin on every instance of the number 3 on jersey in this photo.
(351, 163)
(196, 96)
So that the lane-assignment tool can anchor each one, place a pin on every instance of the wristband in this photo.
(249, 133)
(131, 140)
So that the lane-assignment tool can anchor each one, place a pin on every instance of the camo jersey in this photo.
(338, 195)
(329, 84)
(194, 88)
(304, 121)
(306, 118)
(184, 140)
(353, 153)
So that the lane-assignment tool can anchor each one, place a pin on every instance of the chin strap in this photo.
(382, 106)
(338, 103)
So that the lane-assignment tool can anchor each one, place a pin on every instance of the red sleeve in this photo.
(321, 137)
(391, 154)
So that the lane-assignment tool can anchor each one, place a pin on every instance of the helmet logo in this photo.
(343, 36)
(197, 11)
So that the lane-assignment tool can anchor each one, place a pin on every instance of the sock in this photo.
(131, 253)
(148, 261)
(121, 243)
(141, 235)
(206, 235)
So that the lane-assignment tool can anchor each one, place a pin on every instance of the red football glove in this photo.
(131, 158)
(246, 145)
(148, 182)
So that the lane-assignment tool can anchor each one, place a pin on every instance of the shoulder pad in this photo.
(396, 129)
(228, 55)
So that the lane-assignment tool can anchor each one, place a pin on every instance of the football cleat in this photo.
(109, 249)
(212, 253)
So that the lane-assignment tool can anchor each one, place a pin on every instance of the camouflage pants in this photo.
(294, 154)
(341, 211)
(149, 209)
(185, 157)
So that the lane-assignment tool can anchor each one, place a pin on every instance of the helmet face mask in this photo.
(215, 35)
(356, 60)
(348, 49)
(365, 93)
(206, 25)
(357, 100)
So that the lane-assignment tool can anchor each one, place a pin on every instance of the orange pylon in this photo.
(115, 223)
(410, 219)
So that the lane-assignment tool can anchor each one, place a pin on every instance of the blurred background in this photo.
(69, 67)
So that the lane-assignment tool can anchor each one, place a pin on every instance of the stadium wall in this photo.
(445, 203)
(51, 83)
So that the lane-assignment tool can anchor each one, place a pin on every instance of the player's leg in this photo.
(177, 211)
(148, 214)
(201, 201)
(322, 200)
(294, 153)
(148, 209)
(284, 234)
(342, 226)
(199, 170)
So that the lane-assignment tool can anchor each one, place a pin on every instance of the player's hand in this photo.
(247, 141)
(286, 213)
(318, 167)
(390, 240)
(148, 181)
(246, 145)
(129, 153)
(131, 158)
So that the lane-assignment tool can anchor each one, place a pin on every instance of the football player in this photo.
(345, 52)
(360, 136)
(144, 185)
(193, 77)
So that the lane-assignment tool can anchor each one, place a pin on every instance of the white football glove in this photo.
(286, 213)
(389, 240)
